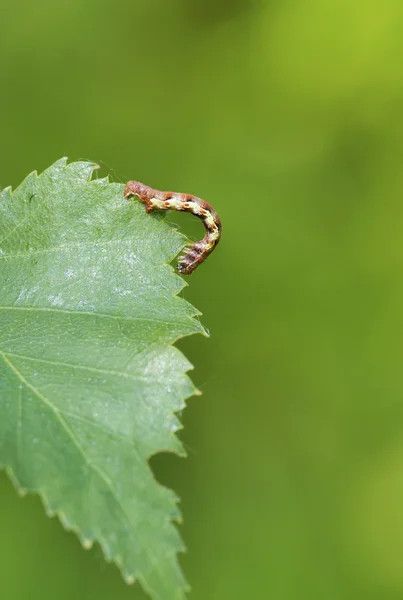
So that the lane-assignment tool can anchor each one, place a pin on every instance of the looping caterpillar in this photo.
(197, 252)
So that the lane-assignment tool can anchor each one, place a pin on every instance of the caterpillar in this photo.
(195, 253)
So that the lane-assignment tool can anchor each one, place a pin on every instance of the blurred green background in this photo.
(287, 116)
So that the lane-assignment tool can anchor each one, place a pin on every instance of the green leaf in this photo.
(89, 378)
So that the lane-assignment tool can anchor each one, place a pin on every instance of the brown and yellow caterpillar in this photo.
(197, 252)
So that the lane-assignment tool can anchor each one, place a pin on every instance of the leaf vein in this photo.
(102, 475)
(113, 434)
(14, 229)
(58, 248)
(57, 363)
(59, 416)
(90, 313)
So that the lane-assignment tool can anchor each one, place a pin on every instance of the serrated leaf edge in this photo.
(51, 512)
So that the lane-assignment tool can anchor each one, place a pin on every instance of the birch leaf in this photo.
(89, 378)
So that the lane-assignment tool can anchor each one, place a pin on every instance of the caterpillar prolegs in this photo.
(197, 252)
